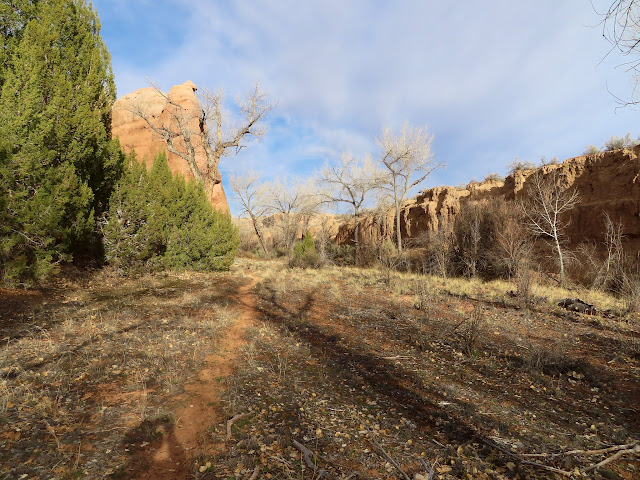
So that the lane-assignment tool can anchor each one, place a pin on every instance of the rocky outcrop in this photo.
(606, 182)
(135, 134)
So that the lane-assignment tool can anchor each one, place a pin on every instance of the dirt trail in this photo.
(171, 457)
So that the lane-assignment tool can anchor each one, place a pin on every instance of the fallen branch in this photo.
(233, 420)
(564, 473)
(256, 472)
(385, 455)
(615, 456)
(308, 460)
(621, 450)
(615, 448)
(430, 470)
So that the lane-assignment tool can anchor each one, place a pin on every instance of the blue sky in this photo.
(492, 80)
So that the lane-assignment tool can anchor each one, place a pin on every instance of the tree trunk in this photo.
(560, 261)
(258, 233)
(356, 240)
(398, 235)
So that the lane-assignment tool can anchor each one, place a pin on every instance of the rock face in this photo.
(606, 182)
(135, 133)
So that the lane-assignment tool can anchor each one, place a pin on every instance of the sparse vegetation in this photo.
(520, 165)
(493, 177)
(304, 253)
(616, 143)
(340, 354)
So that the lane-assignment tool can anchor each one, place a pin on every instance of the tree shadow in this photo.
(362, 370)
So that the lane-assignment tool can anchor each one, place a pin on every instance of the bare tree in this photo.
(208, 127)
(408, 161)
(621, 26)
(252, 196)
(349, 182)
(513, 241)
(545, 210)
(296, 202)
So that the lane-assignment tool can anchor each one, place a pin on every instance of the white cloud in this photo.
(492, 79)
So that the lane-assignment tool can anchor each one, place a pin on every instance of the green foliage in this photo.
(59, 163)
(14, 16)
(304, 253)
(157, 221)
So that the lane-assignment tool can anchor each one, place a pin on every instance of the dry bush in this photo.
(476, 239)
(435, 250)
(389, 260)
(469, 330)
(520, 165)
(494, 177)
(611, 269)
(549, 359)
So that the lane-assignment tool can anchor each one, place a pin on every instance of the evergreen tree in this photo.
(205, 239)
(14, 16)
(159, 221)
(55, 108)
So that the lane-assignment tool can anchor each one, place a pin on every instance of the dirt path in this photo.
(172, 455)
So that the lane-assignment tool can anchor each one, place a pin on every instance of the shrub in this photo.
(552, 161)
(474, 235)
(205, 239)
(493, 177)
(156, 221)
(520, 165)
(591, 150)
(616, 143)
(304, 253)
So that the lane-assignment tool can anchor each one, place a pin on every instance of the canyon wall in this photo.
(607, 182)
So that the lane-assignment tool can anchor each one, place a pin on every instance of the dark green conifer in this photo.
(157, 220)
(55, 120)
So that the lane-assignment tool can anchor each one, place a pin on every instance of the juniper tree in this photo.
(156, 220)
(55, 108)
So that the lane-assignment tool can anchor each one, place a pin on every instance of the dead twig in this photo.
(621, 450)
(522, 461)
(256, 472)
(385, 455)
(308, 460)
(430, 470)
(615, 456)
(233, 420)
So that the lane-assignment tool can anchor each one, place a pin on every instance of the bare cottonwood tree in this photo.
(545, 210)
(296, 202)
(349, 182)
(210, 128)
(621, 26)
(252, 196)
(408, 161)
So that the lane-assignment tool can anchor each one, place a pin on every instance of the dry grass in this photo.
(346, 361)
(347, 374)
(91, 363)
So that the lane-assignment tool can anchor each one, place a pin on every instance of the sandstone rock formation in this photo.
(135, 133)
(606, 182)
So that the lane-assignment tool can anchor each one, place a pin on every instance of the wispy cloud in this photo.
(492, 79)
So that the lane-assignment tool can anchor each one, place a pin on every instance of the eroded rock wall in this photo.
(606, 182)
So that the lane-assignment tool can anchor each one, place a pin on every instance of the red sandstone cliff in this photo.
(606, 182)
(135, 133)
